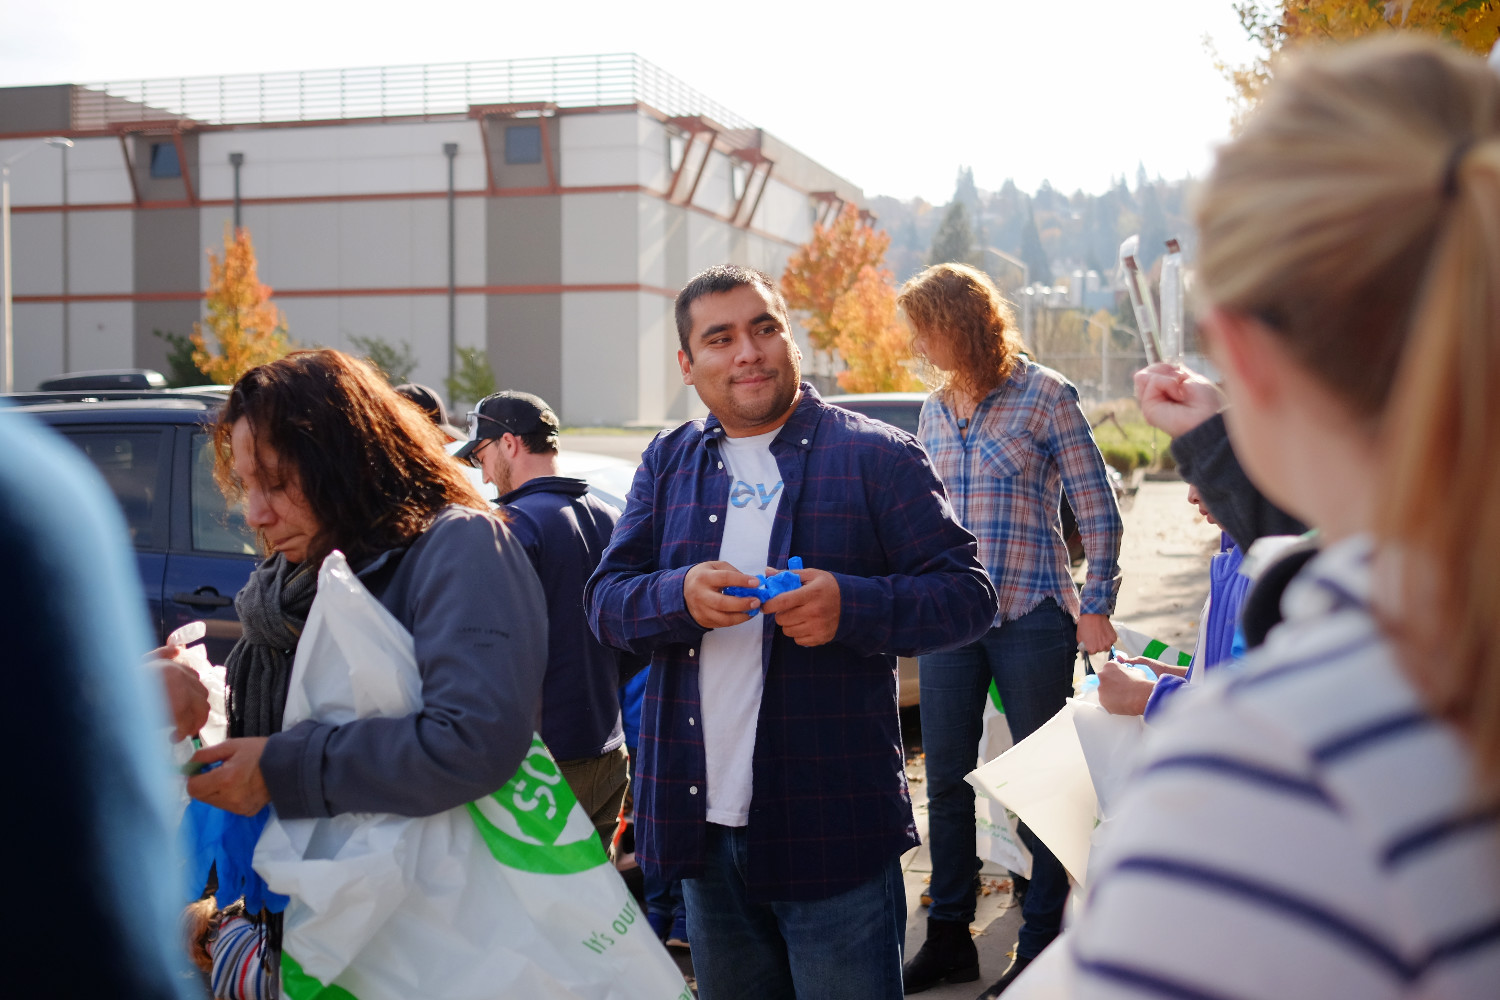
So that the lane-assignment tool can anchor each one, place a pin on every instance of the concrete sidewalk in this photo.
(997, 919)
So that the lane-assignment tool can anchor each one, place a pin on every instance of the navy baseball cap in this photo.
(507, 412)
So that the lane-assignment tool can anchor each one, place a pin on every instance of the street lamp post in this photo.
(8, 349)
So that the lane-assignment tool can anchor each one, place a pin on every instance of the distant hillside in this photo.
(1074, 232)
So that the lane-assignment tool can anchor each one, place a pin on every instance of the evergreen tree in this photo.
(473, 380)
(1007, 218)
(1033, 254)
(181, 372)
(1048, 198)
(966, 192)
(396, 363)
(1153, 228)
(954, 240)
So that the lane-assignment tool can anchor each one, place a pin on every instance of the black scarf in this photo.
(273, 610)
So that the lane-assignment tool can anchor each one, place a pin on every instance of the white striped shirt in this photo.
(1302, 829)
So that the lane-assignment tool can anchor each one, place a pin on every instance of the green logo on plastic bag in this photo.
(298, 985)
(535, 824)
(995, 698)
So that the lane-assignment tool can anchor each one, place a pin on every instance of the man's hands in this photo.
(703, 593)
(808, 615)
(238, 786)
(1095, 633)
(1122, 692)
(1175, 399)
(187, 698)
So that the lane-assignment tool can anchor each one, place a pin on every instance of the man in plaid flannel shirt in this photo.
(771, 780)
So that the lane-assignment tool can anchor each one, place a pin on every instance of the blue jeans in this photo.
(847, 947)
(1031, 662)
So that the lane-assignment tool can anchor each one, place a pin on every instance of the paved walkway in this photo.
(997, 919)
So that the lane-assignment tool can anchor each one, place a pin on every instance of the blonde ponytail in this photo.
(1358, 216)
(1441, 504)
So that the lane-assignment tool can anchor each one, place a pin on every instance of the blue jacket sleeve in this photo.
(936, 595)
(633, 605)
(1166, 688)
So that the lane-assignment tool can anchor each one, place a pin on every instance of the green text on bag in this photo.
(536, 803)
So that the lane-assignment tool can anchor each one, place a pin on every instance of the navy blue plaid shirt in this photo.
(829, 802)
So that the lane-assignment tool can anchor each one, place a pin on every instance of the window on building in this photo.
(676, 149)
(523, 144)
(739, 176)
(164, 162)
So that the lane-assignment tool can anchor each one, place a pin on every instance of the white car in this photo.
(609, 478)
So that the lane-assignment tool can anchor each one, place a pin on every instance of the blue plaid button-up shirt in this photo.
(829, 802)
(1027, 440)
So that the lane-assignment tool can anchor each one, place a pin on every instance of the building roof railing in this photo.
(393, 91)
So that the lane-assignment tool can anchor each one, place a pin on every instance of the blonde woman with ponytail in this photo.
(1326, 824)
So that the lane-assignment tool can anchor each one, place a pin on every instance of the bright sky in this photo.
(893, 97)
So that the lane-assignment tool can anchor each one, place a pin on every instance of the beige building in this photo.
(543, 210)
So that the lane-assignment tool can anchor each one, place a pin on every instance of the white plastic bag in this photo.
(1109, 744)
(1133, 643)
(212, 676)
(511, 896)
(995, 835)
(1044, 779)
(1064, 779)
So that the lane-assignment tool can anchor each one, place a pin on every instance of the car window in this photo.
(130, 461)
(217, 527)
(901, 414)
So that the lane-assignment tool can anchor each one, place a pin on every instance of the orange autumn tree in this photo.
(1472, 24)
(248, 329)
(848, 303)
(1275, 26)
(824, 269)
(872, 340)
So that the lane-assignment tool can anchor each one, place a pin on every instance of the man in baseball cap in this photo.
(564, 530)
(508, 412)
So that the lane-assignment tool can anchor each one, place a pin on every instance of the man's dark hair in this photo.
(542, 441)
(714, 280)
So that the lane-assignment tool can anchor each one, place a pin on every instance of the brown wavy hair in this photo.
(372, 466)
(960, 304)
(1358, 217)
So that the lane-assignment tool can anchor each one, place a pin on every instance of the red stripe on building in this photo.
(330, 293)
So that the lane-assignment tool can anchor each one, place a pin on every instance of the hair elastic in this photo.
(1455, 160)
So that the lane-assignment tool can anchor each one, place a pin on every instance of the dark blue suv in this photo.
(153, 448)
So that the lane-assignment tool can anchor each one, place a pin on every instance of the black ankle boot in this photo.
(947, 954)
(1017, 966)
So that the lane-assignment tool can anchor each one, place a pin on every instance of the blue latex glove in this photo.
(770, 586)
(212, 837)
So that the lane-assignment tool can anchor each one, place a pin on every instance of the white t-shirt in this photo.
(729, 674)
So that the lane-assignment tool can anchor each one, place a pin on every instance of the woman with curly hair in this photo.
(1006, 436)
